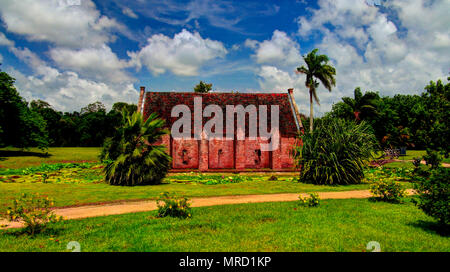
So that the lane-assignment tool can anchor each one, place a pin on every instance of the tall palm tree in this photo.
(362, 105)
(134, 157)
(317, 68)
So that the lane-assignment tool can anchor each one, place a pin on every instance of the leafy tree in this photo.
(134, 157)
(20, 126)
(433, 195)
(122, 106)
(317, 68)
(202, 87)
(52, 119)
(362, 105)
(93, 107)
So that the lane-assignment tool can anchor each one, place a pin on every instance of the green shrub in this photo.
(432, 158)
(34, 211)
(388, 190)
(416, 163)
(335, 153)
(132, 156)
(312, 201)
(173, 206)
(433, 195)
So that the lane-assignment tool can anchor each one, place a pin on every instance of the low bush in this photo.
(388, 190)
(312, 201)
(173, 206)
(432, 158)
(133, 155)
(34, 211)
(416, 162)
(336, 152)
(433, 195)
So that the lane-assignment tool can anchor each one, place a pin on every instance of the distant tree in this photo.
(317, 68)
(122, 106)
(93, 107)
(52, 118)
(362, 105)
(19, 126)
(203, 87)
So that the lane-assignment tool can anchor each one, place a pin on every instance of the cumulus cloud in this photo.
(395, 49)
(66, 90)
(183, 54)
(84, 69)
(279, 50)
(273, 79)
(97, 63)
(64, 25)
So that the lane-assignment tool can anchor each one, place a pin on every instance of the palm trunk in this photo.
(310, 111)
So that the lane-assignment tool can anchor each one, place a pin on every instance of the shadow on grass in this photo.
(432, 227)
(19, 153)
(47, 232)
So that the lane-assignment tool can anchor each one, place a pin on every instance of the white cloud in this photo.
(279, 50)
(1, 58)
(130, 13)
(183, 54)
(67, 90)
(97, 63)
(5, 41)
(395, 52)
(64, 25)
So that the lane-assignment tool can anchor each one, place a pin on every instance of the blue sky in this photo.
(74, 52)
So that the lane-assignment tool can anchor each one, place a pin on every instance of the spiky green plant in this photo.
(133, 158)
(336, 152)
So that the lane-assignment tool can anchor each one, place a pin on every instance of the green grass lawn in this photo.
(336, 225)
(18, 158)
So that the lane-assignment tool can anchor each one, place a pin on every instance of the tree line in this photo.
(414, 121)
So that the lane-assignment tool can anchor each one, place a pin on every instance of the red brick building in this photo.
(226, 154)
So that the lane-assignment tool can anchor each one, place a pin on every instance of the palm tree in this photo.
(134, 157)
(317, 68)
(362, 105)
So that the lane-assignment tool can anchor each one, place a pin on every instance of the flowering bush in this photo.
(312, 201)
(387, 190)
(173, 206)
(34, 211)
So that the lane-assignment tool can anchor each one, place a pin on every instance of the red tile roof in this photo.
(163, 102)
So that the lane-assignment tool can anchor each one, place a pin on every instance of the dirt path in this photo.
(149, 205)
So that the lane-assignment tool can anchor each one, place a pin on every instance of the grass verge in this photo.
(336, 225)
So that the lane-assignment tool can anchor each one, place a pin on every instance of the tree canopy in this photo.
(203, 87)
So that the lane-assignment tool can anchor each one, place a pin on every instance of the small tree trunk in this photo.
(310, 111)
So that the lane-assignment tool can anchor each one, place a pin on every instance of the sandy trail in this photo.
(150, 205)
